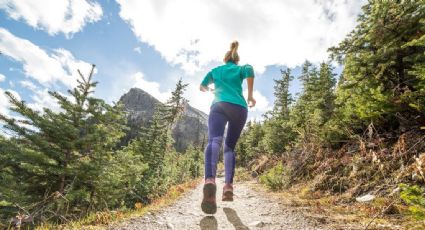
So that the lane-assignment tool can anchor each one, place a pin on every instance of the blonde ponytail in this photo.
(232, 55)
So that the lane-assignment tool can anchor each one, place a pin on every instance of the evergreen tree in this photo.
(315, 105)
(152, 146)
(248, 146)
(283, 97)
(174, 106)
(67, 159)
(381, 58)
(325, 92)
(277, 130)
(155, 142)
(303, 112)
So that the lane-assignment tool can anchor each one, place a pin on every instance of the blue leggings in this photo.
(220, 114)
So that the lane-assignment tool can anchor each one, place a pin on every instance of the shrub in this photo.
(414, 197)
(276, 178)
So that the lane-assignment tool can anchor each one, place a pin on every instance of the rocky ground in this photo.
(253, 208)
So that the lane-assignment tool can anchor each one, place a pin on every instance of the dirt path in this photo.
(250, 210)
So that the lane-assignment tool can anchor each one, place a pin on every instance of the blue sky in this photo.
(151, 44)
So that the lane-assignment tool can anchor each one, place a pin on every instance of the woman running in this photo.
(229, 106)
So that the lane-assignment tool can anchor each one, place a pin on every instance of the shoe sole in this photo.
(227, 196)
(209, 207)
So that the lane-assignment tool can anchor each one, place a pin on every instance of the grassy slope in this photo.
(100, 220)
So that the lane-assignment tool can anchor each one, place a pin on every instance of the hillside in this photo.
(191, 129)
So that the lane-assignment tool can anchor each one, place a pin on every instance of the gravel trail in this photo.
(251, 209)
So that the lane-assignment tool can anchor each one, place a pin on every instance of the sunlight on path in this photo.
(250, 210)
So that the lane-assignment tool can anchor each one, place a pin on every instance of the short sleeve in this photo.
(208, 79)
(247, 71)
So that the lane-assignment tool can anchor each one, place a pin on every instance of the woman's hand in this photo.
(251, 102)
(203, 88)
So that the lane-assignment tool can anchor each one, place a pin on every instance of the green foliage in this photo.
(315, 106)
(183, 167)
(383, 66)
(283, 97)
(278, 132)
(174, 106)
(278, 135)
(248, 146)
(275, 178)
(414, 197)
(155, 147)
(59, 166)
(67, 159)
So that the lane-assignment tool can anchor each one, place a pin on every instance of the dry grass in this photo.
(242, 174)
(100, 220)
(340, 210)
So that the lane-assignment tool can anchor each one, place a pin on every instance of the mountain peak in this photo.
(140, 106)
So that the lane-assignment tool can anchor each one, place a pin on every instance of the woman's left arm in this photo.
(207, 80)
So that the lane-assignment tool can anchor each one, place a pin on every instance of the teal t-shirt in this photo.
(227, 81)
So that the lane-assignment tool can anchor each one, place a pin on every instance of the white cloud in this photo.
(5, 110)
(58, 66)
(28, 84)
(54, 16)
(138, 50)
(42, 99)
(194, 33)
(262, 104)
(150, 87)
(2, 77)
(198, 99)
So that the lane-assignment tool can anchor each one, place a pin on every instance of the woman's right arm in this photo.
(248, 74)
(251, 100)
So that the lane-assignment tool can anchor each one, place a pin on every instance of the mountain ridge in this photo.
(191, 129)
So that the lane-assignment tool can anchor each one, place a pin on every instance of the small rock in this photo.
(170, 226)
(365, 198)
(396, 190)
(194, 214)
(257, 224)
(265, 214)
(371, 145)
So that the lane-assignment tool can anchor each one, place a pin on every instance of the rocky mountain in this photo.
(190, 129)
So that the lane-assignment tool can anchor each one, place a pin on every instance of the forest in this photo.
(61, 166)
(355, 133)
(364, 132)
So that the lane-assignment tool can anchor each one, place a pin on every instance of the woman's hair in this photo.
(232, 55)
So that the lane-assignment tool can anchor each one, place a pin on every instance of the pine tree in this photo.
(380, 84)
(248, 146)
(277, 130)
(69, 154)
(325, 95)
(174, 106)
(304, 109)
(283, 97)
(315, 106)
(155, 142)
